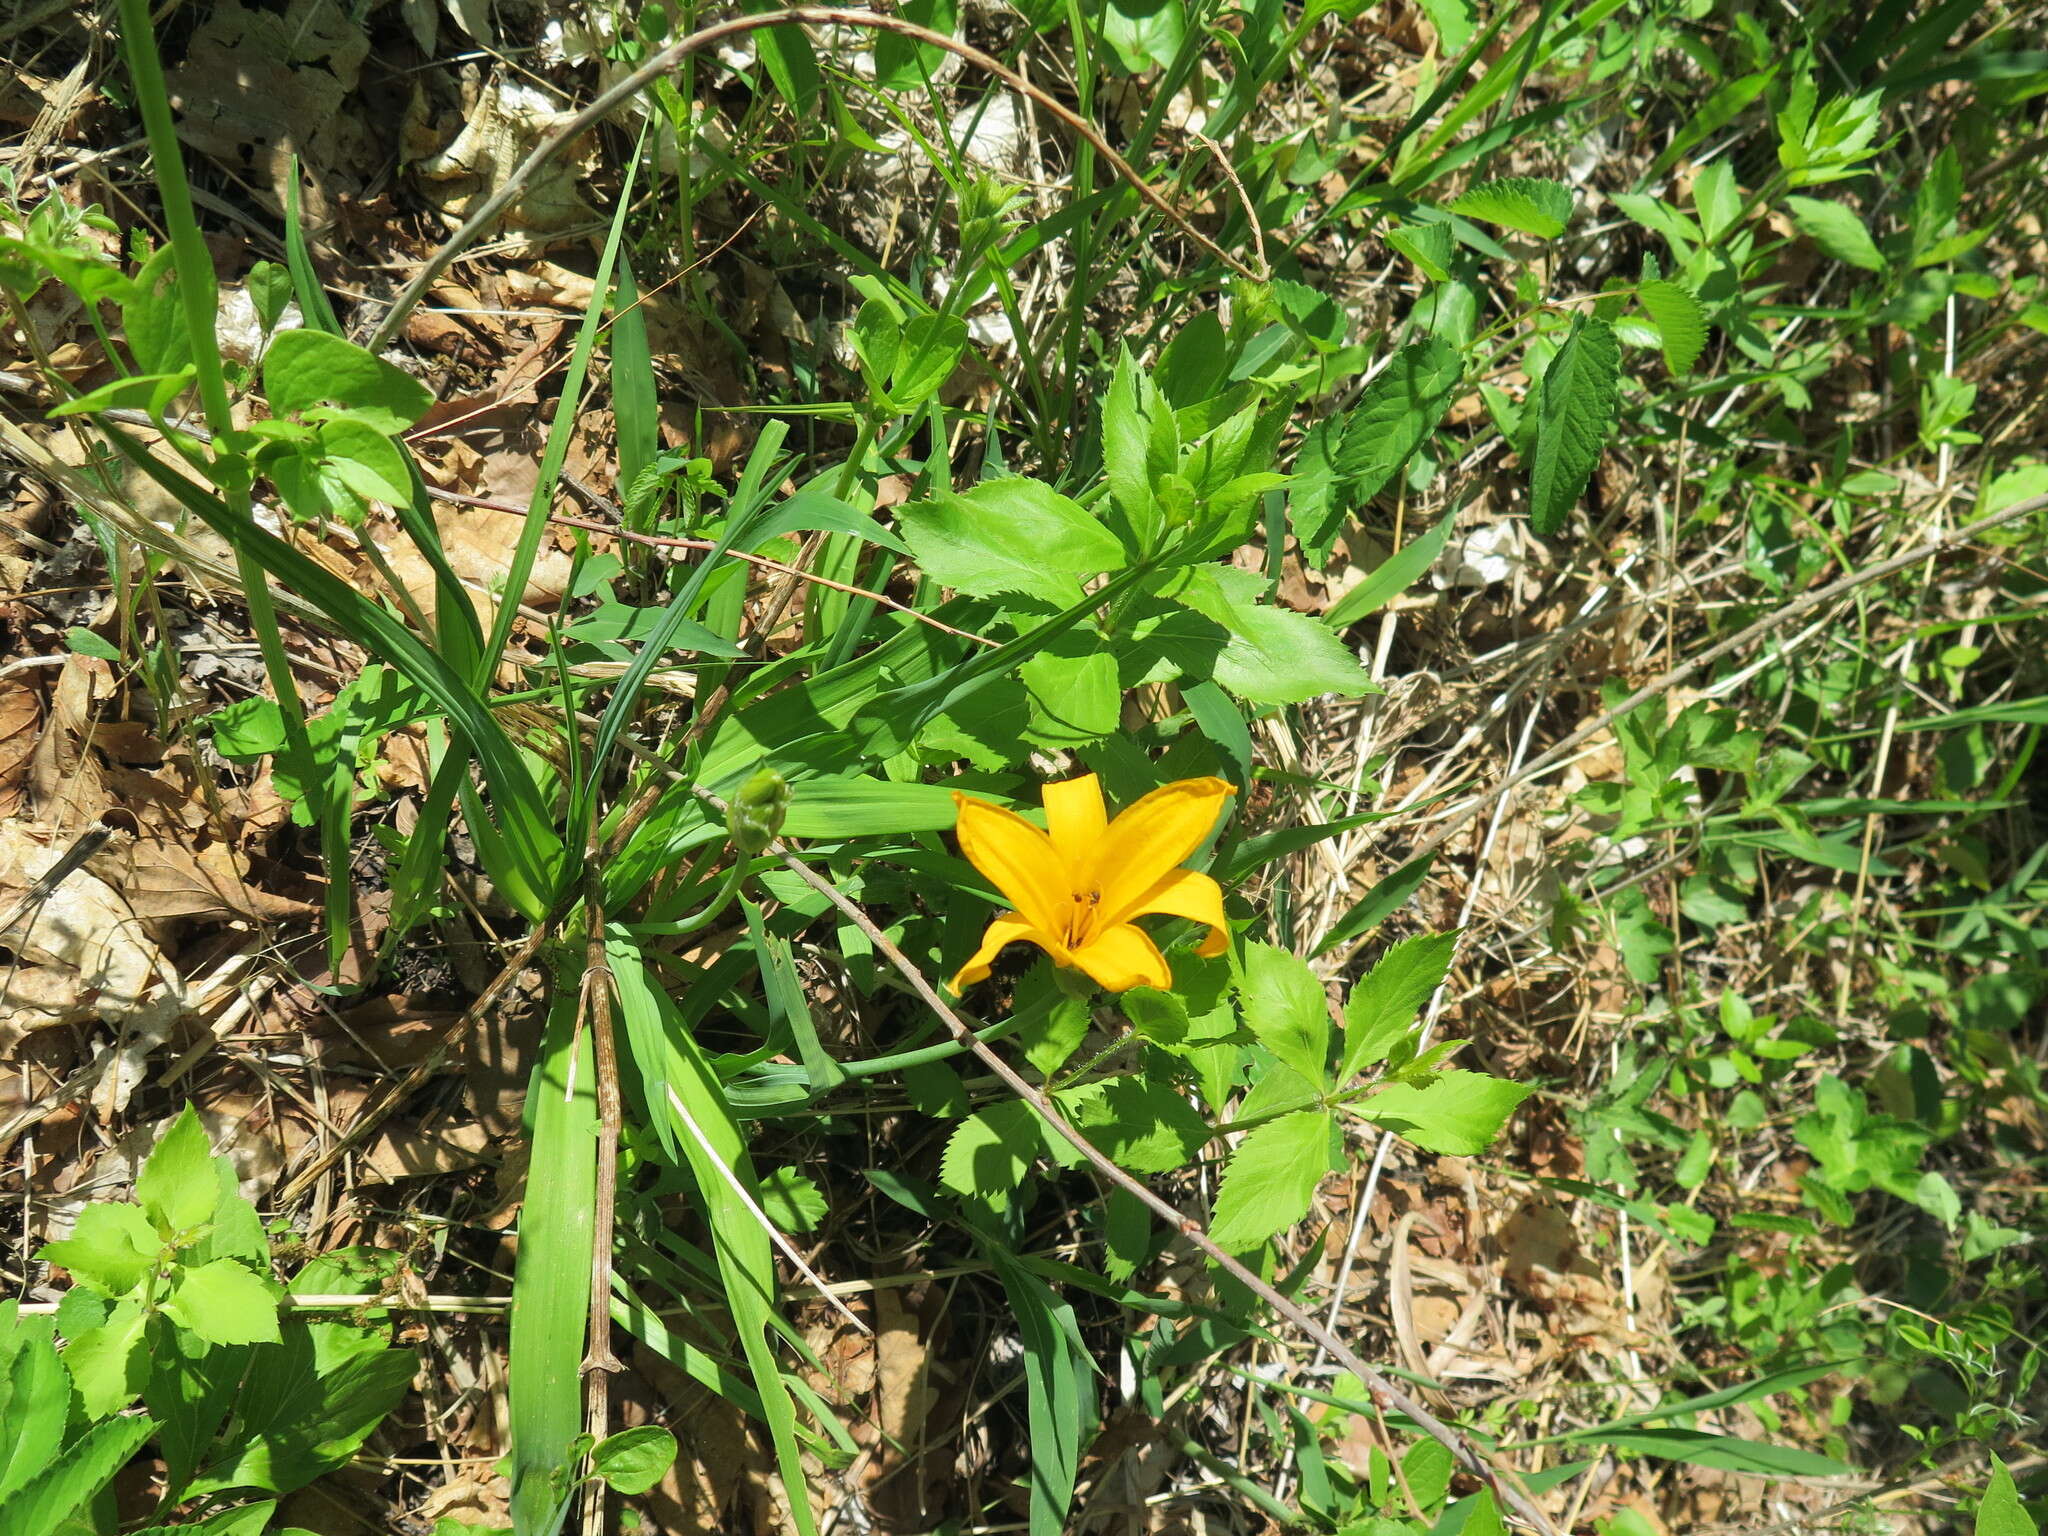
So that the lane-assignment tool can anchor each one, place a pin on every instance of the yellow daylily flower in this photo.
(1077, 885)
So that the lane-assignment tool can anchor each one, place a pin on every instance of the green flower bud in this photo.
(755, 814)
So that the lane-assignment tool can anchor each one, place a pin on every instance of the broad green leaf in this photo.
(86, 1466)
(1453, 20)
(1146, 34)
(270, 292)
(1577, 409)
(634, 1460)
(244, 1520)
(307, 368)
(225, 1302)
(1716, 199)
(1133, 418)
(138, 392)
(1383, 1005)
(365, 460)
(1272, 1179)
(1161, 1017)
(1524, 203)
(1458, 1114)
(1397, 412)
(2000, 1512)
(930, 351)
(1009, 535)
(1483, 1517)
(1837, 230)
(177, 1185)
(293, 1424)
(1284, 1006)
(1681, 323)
(108, 1364)
(111, 1247)
(902, 63)
(1075, 699)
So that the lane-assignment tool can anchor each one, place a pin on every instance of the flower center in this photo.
(1081, 917)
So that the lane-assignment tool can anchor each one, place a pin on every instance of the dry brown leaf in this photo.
(509, 118)
(406, 1151)
(257, 86)
(83, 928)
(64, 777)
(478, 542)
(21, 711)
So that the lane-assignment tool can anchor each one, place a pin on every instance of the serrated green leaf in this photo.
(1383, 1006)
(111, 1247)
(1345, 463)
(991, 1151)
(1525, 203)
(1837, 230)
(1143, 1125)
(1272, 655)
(1429, 246)
(1009, 535)
(306, 368)
(108, 1364)
(1272, 1179)
(1579, 390)
(86, 1466)
(225, 1302)
(1681, 322)
(791, 1200)
(1459, 1114)
(177, 1186)
(1284, 1006)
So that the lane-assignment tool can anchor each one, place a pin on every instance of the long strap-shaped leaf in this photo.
(515, 799)
(697, 1127)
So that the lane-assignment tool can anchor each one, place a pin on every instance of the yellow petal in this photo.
(1075, 818)
(1019, 860)
(1006, 928)
(1122, 958)
(1151, 836)
(1184, 893)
